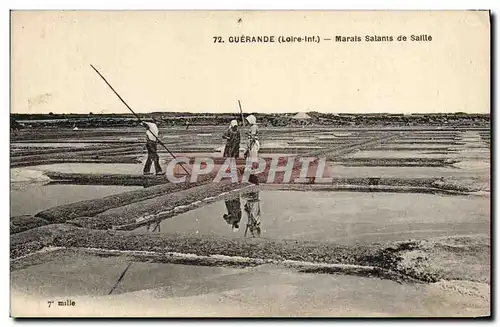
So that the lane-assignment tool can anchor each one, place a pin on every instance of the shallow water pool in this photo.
(31, 198)
(343, 217)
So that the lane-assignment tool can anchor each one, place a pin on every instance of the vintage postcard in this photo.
(250, 164)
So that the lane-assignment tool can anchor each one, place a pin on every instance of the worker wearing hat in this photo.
(253, 144)
(151, 146)
(233, 138)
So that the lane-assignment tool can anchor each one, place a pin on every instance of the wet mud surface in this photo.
(94, 207)
(175, 290)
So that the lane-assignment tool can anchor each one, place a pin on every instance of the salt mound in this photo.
(23, 175)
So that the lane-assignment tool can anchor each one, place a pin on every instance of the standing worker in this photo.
(253, 144)
(233, 138)
(151, 146)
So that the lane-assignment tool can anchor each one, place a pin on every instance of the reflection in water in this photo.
(154, 227)
(252, 209)
(233, 215)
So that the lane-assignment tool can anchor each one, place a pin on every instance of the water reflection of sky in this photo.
(343, 217)
(31, 198)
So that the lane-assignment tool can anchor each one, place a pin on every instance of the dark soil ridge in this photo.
(334, 152)
(371, 260)
(394, 162)
(44, 135)
(106, 179)
(233, 262)
(157, 208)
(179, 203)
(25, 222)
(342, 140)
(177, 207)
(93, 207)
(419, 149)
(127, 179)
(212, 149)
(25, 243)
(432, 137)
(139, 180)
(330, 142)
(165, 200)
(32, 152)
(58, 139)
(366, 189)
(112, 159)
(427, 141)
(93, 153)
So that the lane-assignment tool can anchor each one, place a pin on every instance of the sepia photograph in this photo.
(250, 163)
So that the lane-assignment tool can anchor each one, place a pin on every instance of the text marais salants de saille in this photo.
(384, 38)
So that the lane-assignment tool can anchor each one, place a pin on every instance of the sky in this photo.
(168, 61)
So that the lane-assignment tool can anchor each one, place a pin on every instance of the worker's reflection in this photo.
(233, 215)
(154, 227)
(252, 209)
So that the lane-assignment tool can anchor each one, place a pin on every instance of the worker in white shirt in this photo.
(151, 146)
(253, 144)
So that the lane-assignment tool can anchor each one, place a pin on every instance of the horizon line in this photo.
(250, 112)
